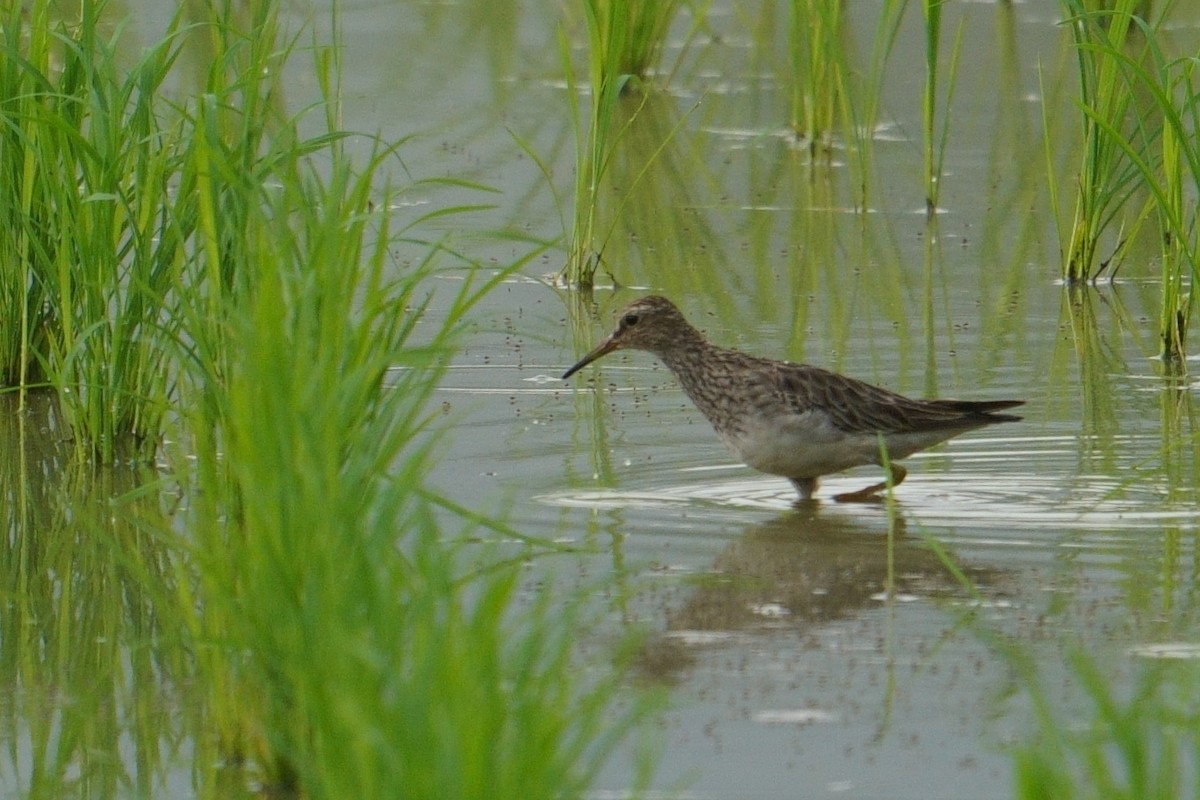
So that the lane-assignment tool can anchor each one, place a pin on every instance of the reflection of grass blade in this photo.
(1097, 364)
(91, 579)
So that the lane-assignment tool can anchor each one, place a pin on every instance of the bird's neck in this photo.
(687, 353)
(708, 375)
(692, 360)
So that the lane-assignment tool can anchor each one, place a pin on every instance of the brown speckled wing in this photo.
(858, 407)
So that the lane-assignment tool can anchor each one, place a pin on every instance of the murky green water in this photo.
(793, 672)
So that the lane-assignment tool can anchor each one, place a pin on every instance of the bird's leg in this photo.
(805, 486)
(896, 474)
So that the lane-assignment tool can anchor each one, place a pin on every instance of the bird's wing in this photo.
(855, 406)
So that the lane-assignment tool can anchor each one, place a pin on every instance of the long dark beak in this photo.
(603, 349)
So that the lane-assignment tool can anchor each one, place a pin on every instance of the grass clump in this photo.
(1166, 155)
(90, 252)
(362, 653)
(350, 648)
(818, 68)
(1102, 38)
(1157, 146)
(628, 35)
(328, 637)
(624, 42)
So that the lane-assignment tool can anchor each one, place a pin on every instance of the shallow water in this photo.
(793, 671)
(789, 660)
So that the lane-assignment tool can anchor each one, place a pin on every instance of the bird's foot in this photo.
(871, 494)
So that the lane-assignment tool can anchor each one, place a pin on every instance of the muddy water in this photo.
(822, 650)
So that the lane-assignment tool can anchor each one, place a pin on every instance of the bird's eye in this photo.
(630, 320)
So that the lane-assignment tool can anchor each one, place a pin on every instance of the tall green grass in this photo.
(628, 34)
(353, 650)
(867, 102)
(624, 41)
(319, 617)
(1107, 177)
(90, 248)
(819, 70)
(349, 647)
(1169, 169)
(1158, 147)
(828, 89)
(594, 146)
(936, 139)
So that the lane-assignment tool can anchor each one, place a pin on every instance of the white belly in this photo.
(807, 446)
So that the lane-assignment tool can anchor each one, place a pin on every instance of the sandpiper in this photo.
(794, 420)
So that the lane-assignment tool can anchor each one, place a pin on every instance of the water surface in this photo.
(819, 650)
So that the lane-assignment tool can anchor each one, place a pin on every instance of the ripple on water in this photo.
(1167, 650)
(1013, 484)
